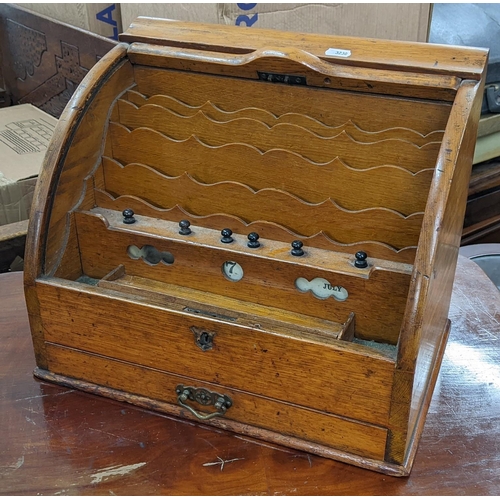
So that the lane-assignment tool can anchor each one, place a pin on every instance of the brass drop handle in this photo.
(204, 397)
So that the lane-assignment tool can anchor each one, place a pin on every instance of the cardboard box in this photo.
(396, 21)
(101, 18)
(25, 132)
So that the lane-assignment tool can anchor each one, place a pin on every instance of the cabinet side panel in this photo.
(430, 290)
(47, 185)
(81, 159)
(45, 193)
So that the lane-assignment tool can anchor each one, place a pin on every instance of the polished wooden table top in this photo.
(55, 440)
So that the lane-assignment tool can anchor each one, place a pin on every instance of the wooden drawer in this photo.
(253, 410)
(337, 377)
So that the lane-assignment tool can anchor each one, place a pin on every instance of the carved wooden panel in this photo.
(43, 61)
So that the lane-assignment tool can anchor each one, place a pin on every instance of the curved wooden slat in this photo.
(330, 107)
(282, 136)
(384, 186)
(272, 205)
(213, 112)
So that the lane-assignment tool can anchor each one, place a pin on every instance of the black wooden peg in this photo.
(184, 225)
(226, 236)
(297, 248)
(128, 216)
(361, 260)
(253, 240)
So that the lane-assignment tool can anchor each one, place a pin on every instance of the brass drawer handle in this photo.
(205, 397)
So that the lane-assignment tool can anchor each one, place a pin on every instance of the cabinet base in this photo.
(221, 423)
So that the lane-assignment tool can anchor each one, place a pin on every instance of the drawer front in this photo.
(304, 372)
(268, 414)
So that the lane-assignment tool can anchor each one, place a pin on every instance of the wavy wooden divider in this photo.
(377, 224)
(351, 189)
(334, 171)
(282, 136)
(331, 107)
(213, 112)
(267, 230)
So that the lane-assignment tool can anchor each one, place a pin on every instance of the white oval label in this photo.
(232, 271)
(321, 288)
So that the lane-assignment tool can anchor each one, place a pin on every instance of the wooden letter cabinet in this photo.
(258, 230)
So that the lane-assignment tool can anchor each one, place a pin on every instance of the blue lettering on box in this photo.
(246, 20)
(246, 6)
(106, 16)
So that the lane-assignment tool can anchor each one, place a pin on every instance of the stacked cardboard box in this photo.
(396, 21)
(25, 132)
(101, 18)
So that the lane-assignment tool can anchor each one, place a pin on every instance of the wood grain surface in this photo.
(350, 188)
(366, 110)
(289, 137)
(267, 281)
(269, 204)
(61, 441)
(435, 263)
(465, 62)
(266, 416)
(108, 336)
(268, 356)
(294, 60)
